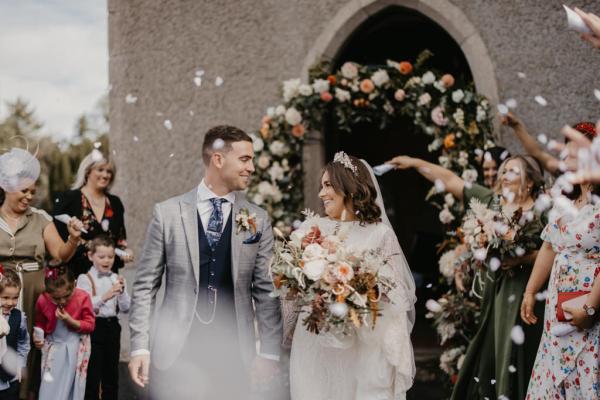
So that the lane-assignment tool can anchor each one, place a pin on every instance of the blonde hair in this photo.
(529, 172)
(88, 163)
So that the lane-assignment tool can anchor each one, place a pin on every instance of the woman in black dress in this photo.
(101, 212)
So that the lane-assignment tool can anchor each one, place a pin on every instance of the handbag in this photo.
(570, 299)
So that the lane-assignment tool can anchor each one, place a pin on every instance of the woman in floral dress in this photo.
(567, 367)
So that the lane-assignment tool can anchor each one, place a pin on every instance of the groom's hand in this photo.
(263, 371)
(138, 369)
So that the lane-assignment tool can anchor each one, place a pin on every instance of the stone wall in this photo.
(157, 45)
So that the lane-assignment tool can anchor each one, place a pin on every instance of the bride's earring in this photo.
(344, 215)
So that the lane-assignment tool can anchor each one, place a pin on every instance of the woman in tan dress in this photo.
(27, 235)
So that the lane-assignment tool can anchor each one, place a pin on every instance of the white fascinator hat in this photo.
(19, 169)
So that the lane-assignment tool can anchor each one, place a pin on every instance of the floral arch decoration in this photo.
(457, 119)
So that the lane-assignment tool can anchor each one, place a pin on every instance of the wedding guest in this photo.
(101, 212)
(109, 297)
(567, 365)
(27, 237)
(589, 173)
(486, 370)
(490, 161)
(66, 316)
(17, 338)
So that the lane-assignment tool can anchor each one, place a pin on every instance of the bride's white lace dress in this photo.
(374, 364)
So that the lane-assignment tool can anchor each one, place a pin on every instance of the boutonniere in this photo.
(245, 221)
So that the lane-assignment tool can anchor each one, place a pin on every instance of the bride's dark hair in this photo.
(357, 188)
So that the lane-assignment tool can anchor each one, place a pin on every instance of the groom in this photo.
(213, 249)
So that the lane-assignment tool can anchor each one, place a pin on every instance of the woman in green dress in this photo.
(27, 237)
(494, 365)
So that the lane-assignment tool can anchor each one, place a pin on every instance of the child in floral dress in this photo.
(567, 366)
(67, 318)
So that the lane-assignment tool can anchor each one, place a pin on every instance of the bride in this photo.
(374, 364)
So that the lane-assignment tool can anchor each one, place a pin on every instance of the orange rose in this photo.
(367, 86)
(332, 80)
(405, 68)
(449, 141)
(298, 131)
(447, 80)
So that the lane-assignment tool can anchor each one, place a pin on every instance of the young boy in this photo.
(18, 338)
(109, 296)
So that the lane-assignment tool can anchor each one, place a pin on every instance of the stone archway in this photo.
(351, 17)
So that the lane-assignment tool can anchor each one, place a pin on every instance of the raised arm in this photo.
(530, 144)
(539, 275)
(453, 183)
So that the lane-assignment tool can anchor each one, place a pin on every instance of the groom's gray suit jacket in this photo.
(171, 249)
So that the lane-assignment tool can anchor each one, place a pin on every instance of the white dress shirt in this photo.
(103, 283)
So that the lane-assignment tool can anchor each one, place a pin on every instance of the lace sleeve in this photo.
(399, 315)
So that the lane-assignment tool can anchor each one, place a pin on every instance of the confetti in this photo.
(198, 81)
(159, 114)
(597, 94)
(191, 113)
(439, 186)
(541, 101)
(519, 251)
(171, 155)
(135, 138)
(433, 306)
(494, 264)
(493, 381)
(562, 166)
(130, 99)
(468, 185)
(339, 309)
(97, 145)
(296, 224)
(48, 377)
(541, 296)
(480, 254)
(199, 72)
(168, 124)
(114, 152)
(521, 75)
(517, 335)
(429, 286)
(218, 81)
(543, 139)
(476, 379)
(511, 298)
(502, 109)
(504, 154)
(511, 103)
(96, 155)
(512, 369)
(218, 144)
(104, 225)
(543, 202)
(478, 152)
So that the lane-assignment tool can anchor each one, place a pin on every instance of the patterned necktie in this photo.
(215, 223)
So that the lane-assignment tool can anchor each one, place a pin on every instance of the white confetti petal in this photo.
(339, 309)
(562, 166)
(104, 225)
(512, 369)
(433, 306)
(135, 138)
(480, 254)
(171, 155)
(191, 113)
(543, 202)
(494, 264)
(97, 145)
(502, 109)
(296, 224)
(504, 154)
(511, 298)
(159, 114)
(168, 124)
(114, 152)
(519, 251)
(541, 296)
(48, 377)
(198, 81)
(517, 335)
(552, 145)
(511, 103)
(199, 72)
(476, 379)
(597, 94)
(439, 186)
(429, 285)
(130, 99)
(543, 139)
(521, 75)
(218, 81)
(218, 144)
(541, 101)
(493, 381)
(468, 185)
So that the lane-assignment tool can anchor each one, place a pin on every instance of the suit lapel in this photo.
(189, 218)
(236, 238)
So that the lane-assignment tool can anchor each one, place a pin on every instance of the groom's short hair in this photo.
(220, 138)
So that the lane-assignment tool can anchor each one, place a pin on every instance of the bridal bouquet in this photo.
(340, 288)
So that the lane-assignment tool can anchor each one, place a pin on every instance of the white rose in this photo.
(314, 269)
(320, 85)
(305, 90)
(296, 237)
(313, 251)
(280, 110)
(276, 172)
(293, 116)
(433, 306)
(380, 77)
(264, 188)
(428, 78)
(342, 95)
(257, 144)
(458, 95)
(276, 193)
(271, 112)
(258, 199)
(349, 70)
(424, 99)
(278, 148)
(290, 89)
(263, 162)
